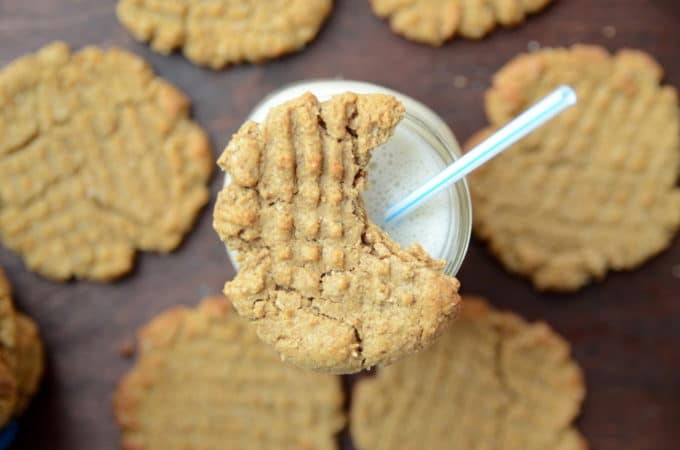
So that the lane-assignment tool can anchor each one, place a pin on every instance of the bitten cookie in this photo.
(436, 21)
(322, 283)
(222, 32)
(492, 381)
(97, 159)
(203, 380)
(595, 189)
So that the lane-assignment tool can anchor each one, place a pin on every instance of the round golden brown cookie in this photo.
(8, 328)
(492, 381)
(322, 283)
(436, 21)
(8, 383)
(222, 32)
(203, 380)
(97, 159)
(593, 190)
(8, 393)
(30, 363)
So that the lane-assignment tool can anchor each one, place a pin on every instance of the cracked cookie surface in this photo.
(492, 381)
(322, 283)
(98, 159)
(596, 188)
(436, 21)
(222, 32)
(203, 380)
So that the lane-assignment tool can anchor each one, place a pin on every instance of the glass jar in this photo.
(422, 146)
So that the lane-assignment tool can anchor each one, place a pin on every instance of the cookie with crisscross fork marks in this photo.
(220, 32)
(97, 159)
(203, 380)
(435, 21)
(323, 284)
(593, 190)
(493, 381)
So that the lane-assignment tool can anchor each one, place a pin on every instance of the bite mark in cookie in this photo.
(324, 285)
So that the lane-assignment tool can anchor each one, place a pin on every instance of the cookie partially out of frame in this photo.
(98, 159)
(8, 331)
(595, 189)
(325, 286)
(436, 21)
(29, 361)
(222, 32)
(8, 327)
(493, 381)
(203, 380)
(21, 356)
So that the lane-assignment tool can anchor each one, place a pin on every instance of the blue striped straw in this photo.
(559, 100)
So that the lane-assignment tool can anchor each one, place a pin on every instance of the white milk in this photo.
(403, 164)
(441, 225)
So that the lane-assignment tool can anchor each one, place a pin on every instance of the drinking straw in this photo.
(559, 100)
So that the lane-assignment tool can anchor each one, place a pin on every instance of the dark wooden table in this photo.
(625, 331)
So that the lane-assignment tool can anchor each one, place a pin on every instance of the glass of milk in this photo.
(422, 146)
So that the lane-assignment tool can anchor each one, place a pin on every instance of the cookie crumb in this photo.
(533, 46)
(676, 271)
(460, 81)
(609, 31)
(126, 349)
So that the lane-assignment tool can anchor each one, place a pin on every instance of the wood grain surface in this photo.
(625, 331)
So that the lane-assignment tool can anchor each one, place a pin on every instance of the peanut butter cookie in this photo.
(21, 356)
(593, 190)
(8, 328)
(97, 159)
(436, 21)
(30, 361)
(322, 283)
(203, 380)
(8, 393)
(8, 337)
(222, 32)
(492, 381)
